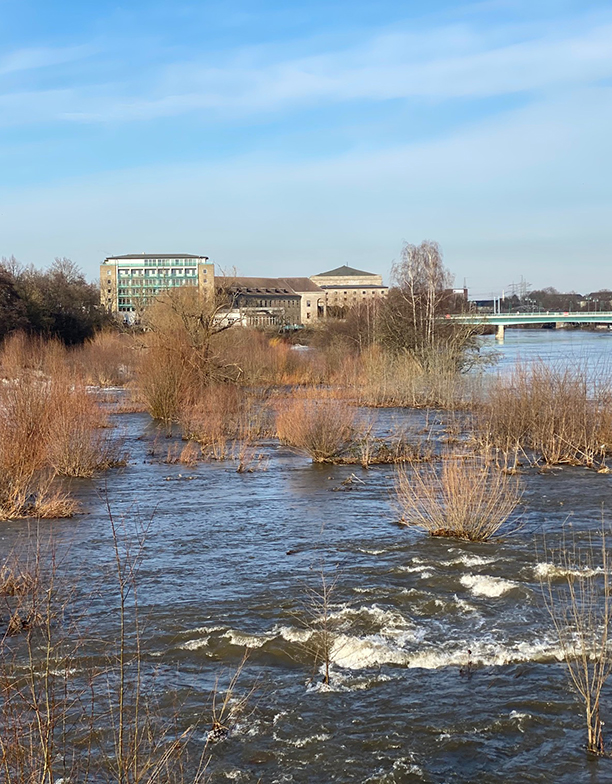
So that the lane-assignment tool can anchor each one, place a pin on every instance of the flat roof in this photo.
(155, 256)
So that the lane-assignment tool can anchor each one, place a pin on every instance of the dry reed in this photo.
(49, 425)
(580, 606)
(464, 497)
(322, 427)
(551, 413)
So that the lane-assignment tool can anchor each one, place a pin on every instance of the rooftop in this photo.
(282, 285)
(155, 256)
(344, 272)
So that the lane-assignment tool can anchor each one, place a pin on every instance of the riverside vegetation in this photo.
(227, 394)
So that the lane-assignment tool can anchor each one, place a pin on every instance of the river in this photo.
(227, 564)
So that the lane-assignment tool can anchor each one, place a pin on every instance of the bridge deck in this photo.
(507, 319)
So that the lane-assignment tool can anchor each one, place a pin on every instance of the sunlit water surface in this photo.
(227, 563)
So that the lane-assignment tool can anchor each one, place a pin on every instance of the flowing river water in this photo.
(445, 664)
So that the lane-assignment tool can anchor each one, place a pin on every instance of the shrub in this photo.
(465, 497)
(321, 427)
(106, 360)
(554, 412)
(49, 425)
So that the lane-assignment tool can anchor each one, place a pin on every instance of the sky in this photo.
(288, 138)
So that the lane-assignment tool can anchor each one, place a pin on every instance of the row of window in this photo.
(154, 273)
(124, 285)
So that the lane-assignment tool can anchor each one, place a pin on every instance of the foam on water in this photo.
(292, 634)
(356, 653)
(484, 585)
(548, 571)
(194, 645)
(247, 640)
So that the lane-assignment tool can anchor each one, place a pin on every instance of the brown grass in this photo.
(382, 379)
(107, 360)
(465, 497)
(322, 427)
(554, 413)
(49, 425)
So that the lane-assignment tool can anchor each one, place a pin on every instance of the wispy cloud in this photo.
(439, 64)
(34, 58)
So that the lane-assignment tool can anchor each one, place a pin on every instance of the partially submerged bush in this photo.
(556, 413)
(465, 497)
(386, 379)
(49, 425)
(224, 411)
(322, 427)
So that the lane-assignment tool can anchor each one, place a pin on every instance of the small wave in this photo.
(291, 634)
(469, 560)
(194, 645)
(247, 640)
(549, 571)
(484, 585)
(356, 653)
(301, 742)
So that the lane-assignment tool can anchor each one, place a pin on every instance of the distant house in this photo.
(129, 283)
(346, 286)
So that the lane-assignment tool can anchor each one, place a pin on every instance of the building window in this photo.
(307, 303)
(308, 315)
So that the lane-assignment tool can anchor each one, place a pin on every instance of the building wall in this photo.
(327, 281)
(108, 287)
(259, 310)
(313, 306)
(345, 291)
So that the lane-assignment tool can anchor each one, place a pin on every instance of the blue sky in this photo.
(292, 137)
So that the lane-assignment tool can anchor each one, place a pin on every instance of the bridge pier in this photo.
(499, 333)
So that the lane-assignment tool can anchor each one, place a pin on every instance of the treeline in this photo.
(551, 299)
(58, 302)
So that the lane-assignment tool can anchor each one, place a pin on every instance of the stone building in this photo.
(313, 299)
(346, 286)
(129, 283)
(273, 301)
(260, 302)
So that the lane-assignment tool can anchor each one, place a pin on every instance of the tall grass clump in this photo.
(320, 426)
(556, 414)
(224, 419)
(464, 497)
(49, 426)
(578, 597)
(385, 379)
(106, 360)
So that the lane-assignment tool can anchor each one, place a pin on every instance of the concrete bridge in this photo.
(503, 320)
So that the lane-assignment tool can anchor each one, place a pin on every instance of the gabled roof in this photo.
(344, 272)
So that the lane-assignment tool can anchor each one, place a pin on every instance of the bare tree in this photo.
(421, 281)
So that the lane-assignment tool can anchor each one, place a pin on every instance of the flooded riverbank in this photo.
(445, 666)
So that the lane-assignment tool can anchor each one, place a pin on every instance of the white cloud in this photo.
(435, 65)
(42, 57)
